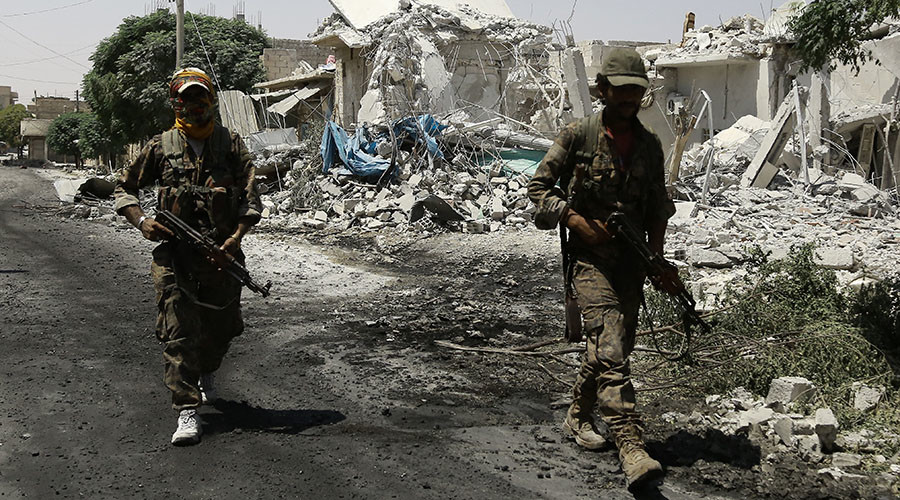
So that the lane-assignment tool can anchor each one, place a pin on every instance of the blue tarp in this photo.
(357, 153)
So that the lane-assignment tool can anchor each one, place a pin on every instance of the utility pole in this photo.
(76, 101)
(179, 33)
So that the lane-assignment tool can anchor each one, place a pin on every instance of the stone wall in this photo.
(285, 55)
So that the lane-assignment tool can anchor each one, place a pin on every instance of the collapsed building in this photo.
(450, 105)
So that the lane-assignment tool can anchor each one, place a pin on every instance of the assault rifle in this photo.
(207, 247)
(656, 267)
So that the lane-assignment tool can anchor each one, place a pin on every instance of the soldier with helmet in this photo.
(207, 179)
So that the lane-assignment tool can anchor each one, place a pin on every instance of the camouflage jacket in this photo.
(210, 192)
(639, 189)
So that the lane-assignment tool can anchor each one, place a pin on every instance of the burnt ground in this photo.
(336, 390)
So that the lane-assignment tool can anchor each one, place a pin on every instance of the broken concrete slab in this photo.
(763, 168)
(786, 390)
(437, 206)
(784, 428)
(866, 398)
(702, 257)
(835, 258)
(577, 83)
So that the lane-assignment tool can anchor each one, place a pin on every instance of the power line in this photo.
(39, 81)
(22, 63)
(46, 10)
(44, 46)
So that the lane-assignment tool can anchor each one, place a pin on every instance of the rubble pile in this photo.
(472, 200)
(716, 241)
(739, 36)
(734, 148)
(786, 421)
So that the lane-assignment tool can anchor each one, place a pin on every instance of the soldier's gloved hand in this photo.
(591, 231)
(154, 231)
(669, 281)
(231, 245)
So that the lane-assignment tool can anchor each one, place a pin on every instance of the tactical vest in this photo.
(596, 187)
(202, 193)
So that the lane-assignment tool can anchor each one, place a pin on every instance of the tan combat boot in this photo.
(638, 466)
(583, 431)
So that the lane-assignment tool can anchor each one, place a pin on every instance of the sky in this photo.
(45, 45)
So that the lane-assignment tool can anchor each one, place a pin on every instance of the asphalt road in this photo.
(310, 408)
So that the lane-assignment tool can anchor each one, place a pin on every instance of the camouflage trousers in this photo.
(199, 312)
(609, 298)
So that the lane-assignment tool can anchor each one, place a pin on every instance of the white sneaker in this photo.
(189, 428)
(208, 389)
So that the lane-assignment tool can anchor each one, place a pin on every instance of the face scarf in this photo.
(195, 117)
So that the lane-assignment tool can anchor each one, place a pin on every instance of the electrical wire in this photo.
(22, 63)
(23, 35)
(46, 10)
(39, 81)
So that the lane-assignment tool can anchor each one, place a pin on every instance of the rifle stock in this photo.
(208, 248)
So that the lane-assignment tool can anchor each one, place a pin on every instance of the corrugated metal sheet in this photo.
(285, 106)
(236, 112)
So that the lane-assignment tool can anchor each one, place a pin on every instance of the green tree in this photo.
(64, 134)
(93, 141)
(10, 118)
(830, 31)
(128, 85)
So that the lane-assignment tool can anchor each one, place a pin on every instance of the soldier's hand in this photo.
(591, 231)
(154, 231)
(669, 281)
(231, 245)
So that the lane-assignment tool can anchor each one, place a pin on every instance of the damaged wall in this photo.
(426, 59)
(875, 84)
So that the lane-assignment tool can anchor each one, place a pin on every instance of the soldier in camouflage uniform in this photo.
(206, 178)
(604, 163)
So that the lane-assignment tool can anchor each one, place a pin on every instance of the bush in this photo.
(789, 318)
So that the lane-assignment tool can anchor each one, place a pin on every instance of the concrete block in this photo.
(846, 460)
(786, 390)
(826, 428)
(498, 211)
(756, 416)
(866, 398)
(835, 258)
(320, 216)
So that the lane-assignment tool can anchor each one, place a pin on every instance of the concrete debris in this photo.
(826, 428)
(738, 37)
(786, 390)
(866, 398)
(837, 474)
(846, 460)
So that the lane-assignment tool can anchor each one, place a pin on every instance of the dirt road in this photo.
(336, 390)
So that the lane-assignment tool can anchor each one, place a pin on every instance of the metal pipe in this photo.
(179, 33)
